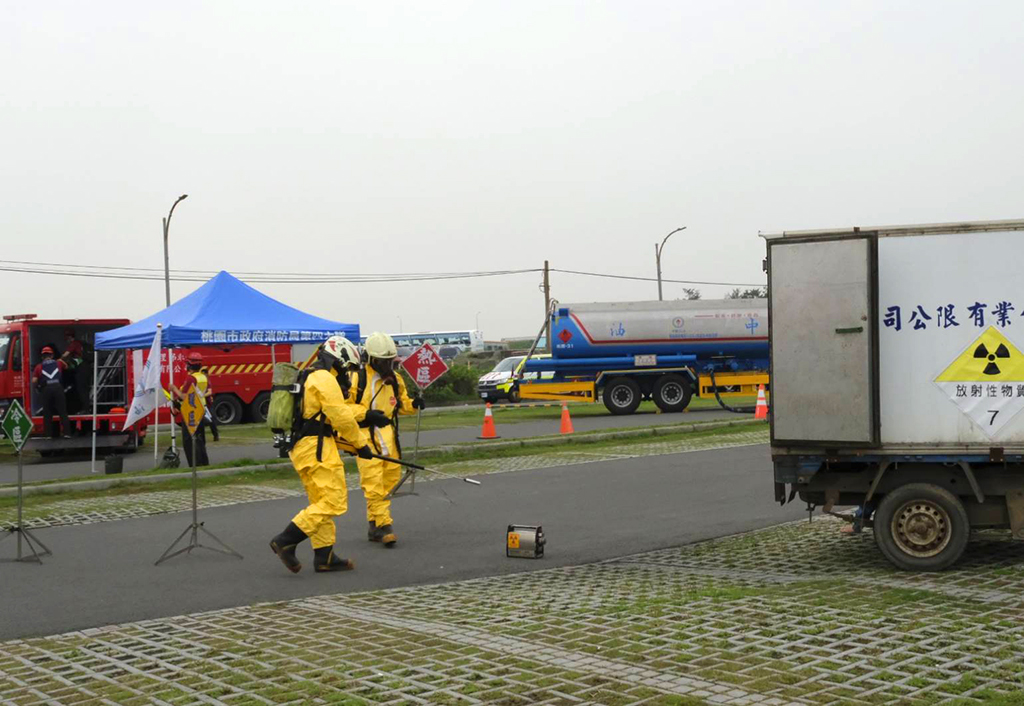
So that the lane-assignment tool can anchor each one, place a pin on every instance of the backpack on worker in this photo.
(284, 416)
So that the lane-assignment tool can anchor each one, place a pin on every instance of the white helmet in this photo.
(342, 350)
(380, 345)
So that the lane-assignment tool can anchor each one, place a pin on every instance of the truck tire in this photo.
(259, 408)
(921, 527)
(227, 409)
(621, 396)
(672, 393)
(513, 395)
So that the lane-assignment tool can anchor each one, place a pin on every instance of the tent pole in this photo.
(95, 397)
(273, 358)
(156, 398)
(170, 383)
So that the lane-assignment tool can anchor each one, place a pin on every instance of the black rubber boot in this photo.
(387, 535)
(284, 546)
(373, 533)
(326, 560)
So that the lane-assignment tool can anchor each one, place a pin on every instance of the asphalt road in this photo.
(54, 468)
(103, 573)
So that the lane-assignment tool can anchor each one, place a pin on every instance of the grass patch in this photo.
(441, 418)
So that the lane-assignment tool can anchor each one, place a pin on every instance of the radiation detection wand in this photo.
(412, 468)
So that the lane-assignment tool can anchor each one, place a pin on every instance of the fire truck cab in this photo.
(23, 336)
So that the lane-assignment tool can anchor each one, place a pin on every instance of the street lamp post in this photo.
(167, 261)
(657, 256)
(167, 293)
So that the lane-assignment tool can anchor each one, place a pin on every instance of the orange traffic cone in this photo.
(761, 411)
(566, 419)
(488, 431)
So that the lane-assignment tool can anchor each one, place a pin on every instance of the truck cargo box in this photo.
(897, 368)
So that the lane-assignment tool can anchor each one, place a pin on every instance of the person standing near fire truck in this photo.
(197, 379)
(211, 419)
(48, 378)
(73, 357)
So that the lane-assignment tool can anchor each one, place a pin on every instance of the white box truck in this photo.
(897, 368)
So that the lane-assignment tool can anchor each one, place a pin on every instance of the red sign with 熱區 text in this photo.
(424, 366)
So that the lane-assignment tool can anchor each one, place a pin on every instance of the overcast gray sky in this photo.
(423, 137)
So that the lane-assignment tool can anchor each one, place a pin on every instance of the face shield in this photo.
(384, 366)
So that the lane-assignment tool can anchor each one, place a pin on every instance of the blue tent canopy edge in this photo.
(226, 311)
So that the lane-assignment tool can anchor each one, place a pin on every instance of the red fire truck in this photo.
(240, 376)
(21, 339)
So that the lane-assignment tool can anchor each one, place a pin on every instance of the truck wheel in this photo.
(672, 393)
(260, 407)
(227, 409)
(513, 396)
(621, 396)
(921, 527)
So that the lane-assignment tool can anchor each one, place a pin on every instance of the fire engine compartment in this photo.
(112, 370)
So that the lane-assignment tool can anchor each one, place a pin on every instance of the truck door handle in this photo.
(853, 329)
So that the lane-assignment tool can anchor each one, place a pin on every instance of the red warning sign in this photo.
(424, 366)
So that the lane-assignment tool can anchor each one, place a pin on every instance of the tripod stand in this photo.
(22, 532)
(196, 526)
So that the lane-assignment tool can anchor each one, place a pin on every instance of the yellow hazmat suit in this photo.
(379, 477)
(324, 480)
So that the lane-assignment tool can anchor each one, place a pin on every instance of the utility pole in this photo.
(657, 256)
(547, 305)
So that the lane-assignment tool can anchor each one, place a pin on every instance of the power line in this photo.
(262, 277)
(153, 274)
(653, 279)
(159, 271)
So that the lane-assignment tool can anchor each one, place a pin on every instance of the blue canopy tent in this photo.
(224, 312)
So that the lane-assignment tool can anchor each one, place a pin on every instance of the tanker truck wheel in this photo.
(621, 396)
(921, 527)
(672, 393)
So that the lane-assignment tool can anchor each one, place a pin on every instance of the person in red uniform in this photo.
(196, 379)
(48, 378)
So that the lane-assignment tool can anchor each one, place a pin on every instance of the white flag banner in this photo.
(146, 385)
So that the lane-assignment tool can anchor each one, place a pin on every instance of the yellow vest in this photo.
(202, 382)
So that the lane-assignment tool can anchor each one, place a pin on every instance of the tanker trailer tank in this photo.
(658, 350)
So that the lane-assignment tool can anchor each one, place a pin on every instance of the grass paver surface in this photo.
(794, 614)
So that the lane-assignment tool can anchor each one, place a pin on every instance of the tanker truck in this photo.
(665, 351)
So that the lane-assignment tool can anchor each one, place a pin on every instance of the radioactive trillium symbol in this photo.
(982, 352)
(986, 381)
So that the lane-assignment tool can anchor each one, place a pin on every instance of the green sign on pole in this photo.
(17, 425)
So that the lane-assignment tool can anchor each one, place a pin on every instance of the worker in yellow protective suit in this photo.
(378, 396)
(327, 419)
